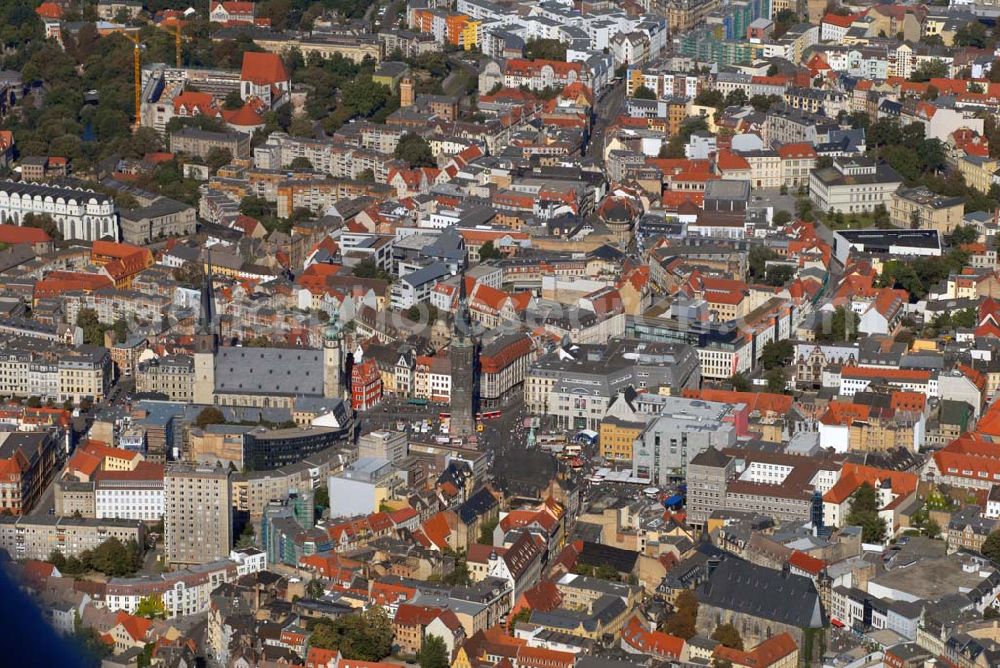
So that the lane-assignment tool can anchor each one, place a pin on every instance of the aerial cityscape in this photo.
(500, 334)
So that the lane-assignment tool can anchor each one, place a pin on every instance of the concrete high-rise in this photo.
(197, 522)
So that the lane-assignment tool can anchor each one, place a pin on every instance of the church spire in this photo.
(462, 324)
(206, 314)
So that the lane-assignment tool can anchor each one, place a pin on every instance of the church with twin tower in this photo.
(262, 377)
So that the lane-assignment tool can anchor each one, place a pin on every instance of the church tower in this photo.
(406, 96)
(333, 360)
(464, 356)
(206, 342)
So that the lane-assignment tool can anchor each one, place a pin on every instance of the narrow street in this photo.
(606, 110)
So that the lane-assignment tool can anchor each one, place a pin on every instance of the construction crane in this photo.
(177, 40)
(138, 79)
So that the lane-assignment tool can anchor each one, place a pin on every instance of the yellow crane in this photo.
(177, 40)
(138, 79)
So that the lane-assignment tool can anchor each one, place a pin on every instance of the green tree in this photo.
(121, 330)
(315, 589)
(301, 162)
(433, 653)
(781, 218)
(486, 532)
(218, 157)
(644, 93)
(739, 382)
(255, 207)
(930, 69)
(728, 636)
(209, 415)
(762, 103)
(776, 354)
(991, 547)
(363, 637)
(682, 622)
(57, 559)
(301, 126)
(42, 222)
(415, 150)
(963, 234)
(841, 325)
(246, 538)
(776, 380)
(783, 20)
(522, 615)
(972, 33)
(113, 558)
(93, 330)
(322, 497)
(710, 98)
(151, 607)
(864, 513)
(233, 100)
(92, 645)
(488, 252)
(757, 259)
(932, 529)
(545, 49)
(368, 269)
(736, 98)
(778, 275)
(459, 575)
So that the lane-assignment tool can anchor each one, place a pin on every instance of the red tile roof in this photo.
(136, 627)
(49, 10)
(772, 651)
(806, 562)
(765, 402)
(853, 476)
(658, 644)
(796, 151)
(16, 234)
(900, 375)
(263, 68)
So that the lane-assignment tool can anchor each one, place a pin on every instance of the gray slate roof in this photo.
(276, 371)
(779, 596)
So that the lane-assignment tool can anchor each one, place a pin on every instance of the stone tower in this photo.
(206, 342)
(464, 356)
(406, 96)
(333, 360)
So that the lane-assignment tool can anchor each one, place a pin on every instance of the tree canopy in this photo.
(489, 252)
(930, 69)
(644, 93)
(209, 415)
(433, 653)
(991, 547)
(365, 637)
(682, 622)
(776, 354)
(841, 325)
(864, 513)
(415, 150)
(545, 49)
(728, 635)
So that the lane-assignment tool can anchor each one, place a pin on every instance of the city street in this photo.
(606, 110)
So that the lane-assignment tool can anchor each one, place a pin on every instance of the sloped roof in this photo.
(263, 68)
(761, 592)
